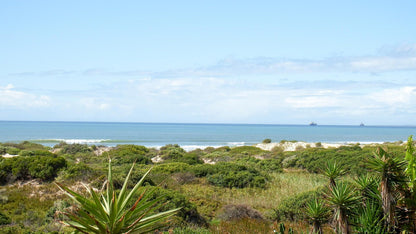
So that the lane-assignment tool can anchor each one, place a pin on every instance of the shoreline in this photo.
(283, 145)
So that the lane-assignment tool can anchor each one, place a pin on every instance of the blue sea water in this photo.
(192, 135)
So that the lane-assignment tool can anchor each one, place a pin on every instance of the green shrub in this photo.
(123, 154)
(189, 158)
(11, 229)
(270, 165)
(3, 149)
(45, 168)
(74, 148)
(26, 153)
(352, 158)
(267, 141)
(12, 150)
(136, 175)
(26, 145)
(203, 170)
(217, 156)
(36, 153)
(247, 150)
(188, 213)
(293, 208)
(170, 168)
(231, 175)
(240, 211)
(24, 168)
(79, 171)
(4, 219)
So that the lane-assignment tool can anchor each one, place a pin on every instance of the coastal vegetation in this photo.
(349, 189)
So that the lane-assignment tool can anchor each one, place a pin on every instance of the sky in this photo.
(259, 62)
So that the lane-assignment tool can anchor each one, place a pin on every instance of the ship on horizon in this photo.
(312, 124)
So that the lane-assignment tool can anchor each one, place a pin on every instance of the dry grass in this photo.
(281, 186)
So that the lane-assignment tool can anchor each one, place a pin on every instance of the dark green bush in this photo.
(74, 148)
(266, 141)
(270, 165)
(240, 179)
(35, 153)
(352, 158)
(176, 156)
(12, 150)
(203, 170)
(172, 152)
(26, 145)
(3, 149)
(247, 150)
(128, 154)
(170, 168)
(79, 171)
(24, 168)
(240, 211)
(235, 175)
(188, 213)
(4, 219)
(293, 208)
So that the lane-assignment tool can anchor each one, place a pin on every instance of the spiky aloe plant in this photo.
(343, 199)
(333, 171)
(370, 219)
(112, 213)
(410, 193)
(367, 186)
(391, 172)
(317, 214)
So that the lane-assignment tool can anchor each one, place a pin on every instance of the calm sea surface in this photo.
(192, 135)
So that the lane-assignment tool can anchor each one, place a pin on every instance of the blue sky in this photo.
(276, 62)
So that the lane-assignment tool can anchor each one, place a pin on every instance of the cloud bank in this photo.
(335, 90)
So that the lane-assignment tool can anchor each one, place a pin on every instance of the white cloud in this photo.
(10, 97)
(394, 58)
(398, 97)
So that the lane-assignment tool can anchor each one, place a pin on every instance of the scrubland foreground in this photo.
(350, 189)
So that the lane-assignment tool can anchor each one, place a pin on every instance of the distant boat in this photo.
(312, 124)
(362, 125)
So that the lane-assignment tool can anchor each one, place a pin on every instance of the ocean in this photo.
(191, 136)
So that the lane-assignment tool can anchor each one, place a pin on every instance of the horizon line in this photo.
(196, 123)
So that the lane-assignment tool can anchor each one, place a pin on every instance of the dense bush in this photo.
(24, 168)
(79, 171)
(170, 168)
(36, 153)
(237, 179)
(240, 211)
(3, 149)
(12, 150)
(128, 154)
(203, 170)
(191, 159)
(352, 158)
(173, 199)
(137, 174)
(4, 219)
(26, 145)
(293, 208)
(73, 148)
(175, 153)
(235, 175)
(247, 150)
(219, 156)
(270, 165)
(267, 141)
